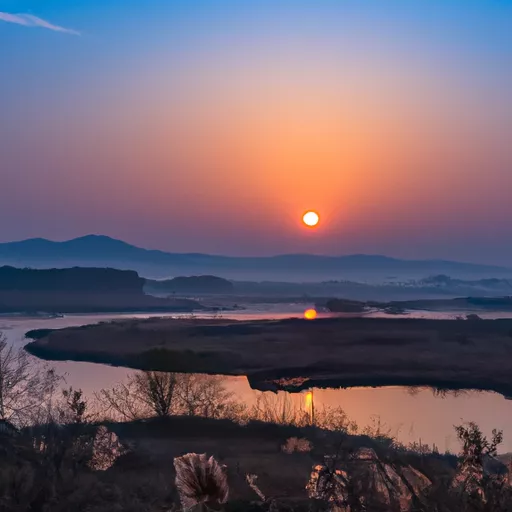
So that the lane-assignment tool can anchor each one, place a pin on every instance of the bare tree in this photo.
(74, 408)
(120, 402)
(26, 386)
(203, 395)
(278, 408)
(157, 391)
(144, 394)
(162, 394)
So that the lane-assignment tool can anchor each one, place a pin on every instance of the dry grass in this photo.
(454, 354)
(296, 445)
(341, 469)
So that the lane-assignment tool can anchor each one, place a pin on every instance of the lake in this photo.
(412, 415)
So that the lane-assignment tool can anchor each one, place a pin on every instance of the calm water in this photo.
(411, 416)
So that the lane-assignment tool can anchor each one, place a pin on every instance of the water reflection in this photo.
(425, 416)
(411, 415)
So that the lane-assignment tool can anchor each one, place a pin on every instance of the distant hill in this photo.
(80, 290)
(191, 284)
(102, 251)
(96, 280)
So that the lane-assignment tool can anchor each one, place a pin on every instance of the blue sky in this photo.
(206, 125)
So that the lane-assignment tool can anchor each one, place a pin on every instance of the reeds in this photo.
(201, 482)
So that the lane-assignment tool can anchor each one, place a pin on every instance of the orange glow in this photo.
(310, 314)
(345, 137)
(311, 218)
(310, 406)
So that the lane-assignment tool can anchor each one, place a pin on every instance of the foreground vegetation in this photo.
(162, 441)
(296, 354)
(153, 466)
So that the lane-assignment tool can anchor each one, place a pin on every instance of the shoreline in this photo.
(295, 354)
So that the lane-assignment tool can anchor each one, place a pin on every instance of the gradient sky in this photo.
(211, 125)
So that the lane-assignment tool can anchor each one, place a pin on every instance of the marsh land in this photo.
(296, 354)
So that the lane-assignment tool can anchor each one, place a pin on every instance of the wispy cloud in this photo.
(28, 20)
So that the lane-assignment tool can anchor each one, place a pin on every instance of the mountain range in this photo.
(103, 251)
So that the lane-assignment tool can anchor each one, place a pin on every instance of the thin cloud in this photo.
(28, 20)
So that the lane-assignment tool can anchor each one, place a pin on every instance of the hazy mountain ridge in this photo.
(98, 250)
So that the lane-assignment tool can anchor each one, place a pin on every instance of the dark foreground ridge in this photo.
(138, 473)
(296, 354)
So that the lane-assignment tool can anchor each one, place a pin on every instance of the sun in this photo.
(311, 218)
(310, 314)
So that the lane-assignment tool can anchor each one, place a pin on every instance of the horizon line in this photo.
(279, 255)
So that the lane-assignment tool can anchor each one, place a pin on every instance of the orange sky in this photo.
(218, 139)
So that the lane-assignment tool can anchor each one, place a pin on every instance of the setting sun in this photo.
(310, 314)
(311, 218)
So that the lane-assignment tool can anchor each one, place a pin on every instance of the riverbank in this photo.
(296, 354)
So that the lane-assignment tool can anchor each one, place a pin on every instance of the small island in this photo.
(297, 354)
